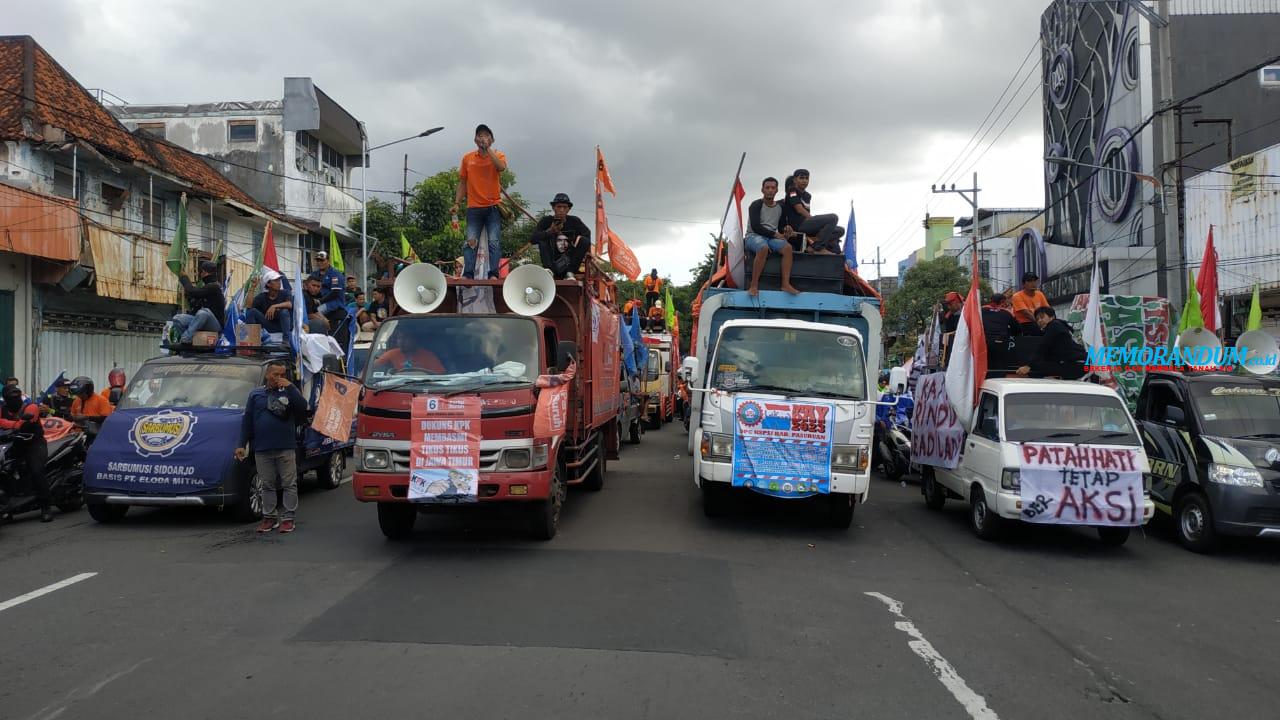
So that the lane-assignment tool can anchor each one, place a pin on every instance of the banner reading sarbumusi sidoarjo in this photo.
(782, 447)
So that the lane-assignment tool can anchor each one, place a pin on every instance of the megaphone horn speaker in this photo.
(529, 290)
(1196, 343)
(1262, 356)
(420, 288)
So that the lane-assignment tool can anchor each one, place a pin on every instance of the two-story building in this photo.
(88, 211)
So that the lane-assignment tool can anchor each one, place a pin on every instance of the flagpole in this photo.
(732, 188)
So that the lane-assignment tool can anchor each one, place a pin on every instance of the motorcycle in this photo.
(64, 470)
(893, 448)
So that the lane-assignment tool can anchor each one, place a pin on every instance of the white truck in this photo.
(1078, 439)
(783, 397)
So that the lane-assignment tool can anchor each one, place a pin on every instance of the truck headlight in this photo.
(538, 458)
(516, 458)
(849, 458)
(717, 447)
(375, 459)
(1235, 475)
(1011, 479)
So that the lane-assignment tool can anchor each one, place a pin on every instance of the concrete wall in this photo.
(253, 166)
(15, 277)
(308, 195)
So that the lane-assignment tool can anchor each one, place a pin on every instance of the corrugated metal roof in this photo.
(1245, 213)
(1223, 7)
(38, 225)
(131, 268)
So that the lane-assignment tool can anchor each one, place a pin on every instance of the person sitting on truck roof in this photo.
(767, 233)
(352, 289)
(206, 304)
(823, 229)
(657, 317)
(272, 308)
(562, 239)
(1026, 301)
(997, 322)
(408, 354)
(372, 315)
(1058, 355)
(652, 287)
(949, 320)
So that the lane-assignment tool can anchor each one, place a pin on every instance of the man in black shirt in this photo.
(562, 239)
(1059, 355)
(372, 316)
(206, 304)
(272, 308)
(997, 322)
(823, 228)
(949, 321)
(767, 233)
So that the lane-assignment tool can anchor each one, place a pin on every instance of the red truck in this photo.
(538, 326)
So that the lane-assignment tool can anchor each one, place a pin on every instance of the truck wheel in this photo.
(1113, 536)
(715, 499)
(840, 508)
(249, 508)
(934, 496)
(545, 518)
(329, 475)
(1194, 521)
(107, 514)
(396, 520)
(595, 479)
(633, 435)
(985, 522)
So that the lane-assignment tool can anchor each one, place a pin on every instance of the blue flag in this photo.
(851, 241)
(228, 339)
(48, 392)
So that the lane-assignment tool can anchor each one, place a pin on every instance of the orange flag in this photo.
(621, 257)
(602, 173)
(602, 222)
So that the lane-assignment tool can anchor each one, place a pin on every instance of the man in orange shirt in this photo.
(657, 317)
(480, 184)
(652, 287)
(89, 409)
(1025, 303)
(408, 355)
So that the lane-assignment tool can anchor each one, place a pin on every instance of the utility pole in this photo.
(877, 263)
(970, 196)
(404, 187)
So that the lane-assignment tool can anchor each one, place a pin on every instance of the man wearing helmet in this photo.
(31, 450)
(88, 409)
(115, 389)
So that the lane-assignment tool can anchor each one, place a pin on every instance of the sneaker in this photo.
(268, 524)
(286, 526)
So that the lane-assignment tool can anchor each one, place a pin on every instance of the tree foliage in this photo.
(907, 311)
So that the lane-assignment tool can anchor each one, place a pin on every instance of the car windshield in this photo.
(452, 353)
(1238, 410)
(1067, 418)
(205, 384)
(789, 361)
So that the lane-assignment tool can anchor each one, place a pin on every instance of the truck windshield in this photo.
(1238, 410)
(453, 353)
(210, 385)
(1067, 418)
(790, 361)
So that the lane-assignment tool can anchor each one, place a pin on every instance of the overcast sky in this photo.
(874, 97)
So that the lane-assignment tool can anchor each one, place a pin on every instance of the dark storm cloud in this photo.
(673, 92)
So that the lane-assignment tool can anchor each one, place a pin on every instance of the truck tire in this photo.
(249, 507)
(594, 481)
(1113, 536)
(986, 524)
(1193, 521)
(715, 499)
(107, 514)
(840, 508)
(934, 496)
(544, 518)
(329, 475)
(396, 520)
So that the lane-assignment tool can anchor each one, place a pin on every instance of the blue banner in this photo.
(782, 447)
(164, 451)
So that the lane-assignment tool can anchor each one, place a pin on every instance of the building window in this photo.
(153, 215)
(219, 230)
(334, 163)
(308, 152)
(63, 184)
(1115, 190)
(1129, 68)
(242, 130)
(154, 129)
(1269, 76)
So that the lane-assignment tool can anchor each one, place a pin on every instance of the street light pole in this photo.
(364, 191)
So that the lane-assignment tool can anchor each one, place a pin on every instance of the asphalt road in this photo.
(641, 607)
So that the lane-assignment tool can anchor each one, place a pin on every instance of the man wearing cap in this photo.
(272, 308)
(562, 239)
(207, 307)
(332, 285)
(1025, 303)
(480, 184)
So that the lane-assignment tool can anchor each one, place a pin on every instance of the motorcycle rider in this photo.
(115, 391)
(32, 453)
(89, 409)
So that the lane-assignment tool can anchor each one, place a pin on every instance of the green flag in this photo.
(1191, 316)
(406, 250)
(671, 309)
(335, 253)
(177, 261)
(1255, 312)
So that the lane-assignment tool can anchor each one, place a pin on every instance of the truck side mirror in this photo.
(1173, 415)
(566, 352)
(689, 370)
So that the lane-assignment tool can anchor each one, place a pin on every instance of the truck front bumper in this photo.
(1247, 512)
(722, 472)
(1009, 507)
(494, 486)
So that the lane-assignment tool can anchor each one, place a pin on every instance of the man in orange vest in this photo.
(1025, 303)
(652, 288)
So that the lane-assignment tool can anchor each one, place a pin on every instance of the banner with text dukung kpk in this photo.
(444, 449)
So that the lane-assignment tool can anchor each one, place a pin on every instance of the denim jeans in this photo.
(756, 243)
(281, 323)
(192, 324)
(489, 220)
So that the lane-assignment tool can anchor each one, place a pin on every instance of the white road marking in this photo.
(45, 590)
(972, 702)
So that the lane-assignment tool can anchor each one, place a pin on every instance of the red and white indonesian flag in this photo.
(732, 234)
(967, 366)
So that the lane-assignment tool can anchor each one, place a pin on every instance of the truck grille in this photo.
(1270, 516)
(488, 460)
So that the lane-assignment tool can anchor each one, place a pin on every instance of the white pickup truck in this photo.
(1013, 420)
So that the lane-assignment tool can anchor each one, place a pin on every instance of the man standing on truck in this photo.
(1026, 301)
(272, 415)
(949, 321)
(767, 233)
(206, 304)
(562, 239)
(652, 288)
(1058, 355)
(332, 289)
(480, 184)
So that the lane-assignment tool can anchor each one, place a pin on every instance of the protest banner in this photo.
(553, 404)
(336, 407)
(444, 451)
(782, 448)
(1081, 485)
(937, 437)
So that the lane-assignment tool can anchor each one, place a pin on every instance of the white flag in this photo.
(1092, 334)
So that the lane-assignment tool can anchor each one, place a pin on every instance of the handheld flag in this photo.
(406, 251)
(670, 307)
(731, 236)
(1092, 334)
(177, 261)
(48, 392)
(1207, 286)
(851, 242)
(1255, 312)
(266, 260)
(1191, 317)
(335, 253)
(602, 173)
(967, 366)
